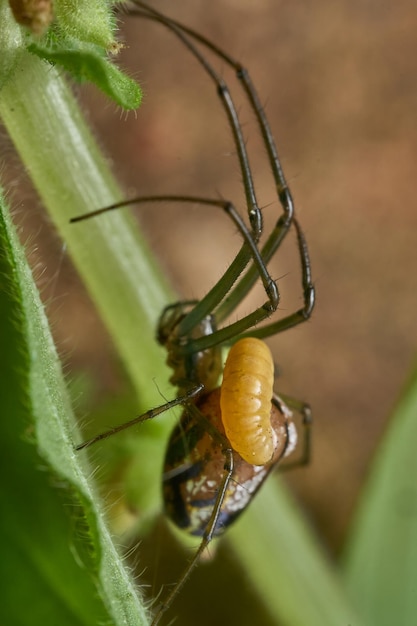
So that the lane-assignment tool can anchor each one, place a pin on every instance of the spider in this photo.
(230, 435)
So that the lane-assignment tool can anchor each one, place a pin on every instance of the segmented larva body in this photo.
(245, 400)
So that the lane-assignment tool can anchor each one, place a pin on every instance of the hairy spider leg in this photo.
(309, 295)
(139, 419)
(212, 523)
(220, 290)
(230, 210)
(219, 295)
(285, 220)
(212, 299)
(230, 301)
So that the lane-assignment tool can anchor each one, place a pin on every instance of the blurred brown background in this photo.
(339, 84)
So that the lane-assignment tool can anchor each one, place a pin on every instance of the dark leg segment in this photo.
(205, 306)
(145, 416)
(215, 295)
(284, 195)
(309, 297)
(212, 523)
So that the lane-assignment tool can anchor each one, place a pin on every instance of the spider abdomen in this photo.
(194, 467)
(245, 400)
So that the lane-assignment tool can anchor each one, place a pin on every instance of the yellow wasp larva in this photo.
(245, 400)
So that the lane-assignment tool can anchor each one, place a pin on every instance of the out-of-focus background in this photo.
(339, 84)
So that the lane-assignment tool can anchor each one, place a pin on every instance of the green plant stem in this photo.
(286, 564)
(381, 553)
(71, 176)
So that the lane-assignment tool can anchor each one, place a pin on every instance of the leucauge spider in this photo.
(231, 434)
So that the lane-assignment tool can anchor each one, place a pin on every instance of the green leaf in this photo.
(88, 64)
(78, 41)
(381, 555)
(54, 543)
(86, 20)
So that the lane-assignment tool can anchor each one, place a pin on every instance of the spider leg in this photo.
(304, 313)
(216, 294)
(245, 284)
(220, 290)
(254, 212)
(283, 224)
(214, 517)
(285, 220)
(183, 399)
(237, 329)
